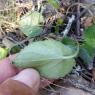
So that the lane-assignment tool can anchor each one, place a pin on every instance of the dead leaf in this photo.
(88, 22)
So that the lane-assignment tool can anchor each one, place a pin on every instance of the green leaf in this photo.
(46, 56)
(87, 48)
(57, 68)
(30, 24)
(54, 3)
(15, 49)
(88, 60)
(85, 56)
(89, 37)
(71, 43)
(3, 53)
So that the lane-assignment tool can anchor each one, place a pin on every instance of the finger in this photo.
(29, 77)
(12, 57)
(6, 69)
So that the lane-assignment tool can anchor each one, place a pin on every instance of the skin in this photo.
(29, 77)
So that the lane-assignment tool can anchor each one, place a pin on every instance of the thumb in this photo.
(27, 82)
(29, 77)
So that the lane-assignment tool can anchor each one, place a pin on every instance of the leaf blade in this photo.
(41, 54)
(30, 24)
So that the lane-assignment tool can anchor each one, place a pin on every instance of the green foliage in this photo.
(15, 49)
(70, 42)
(89, 37)
(54, 3)
(50, 57)
(87, 49)
(58, 23)
(30, 24)
(3, 53)
(57, 68)
(84, 55)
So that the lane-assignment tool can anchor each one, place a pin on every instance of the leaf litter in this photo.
(27, 22)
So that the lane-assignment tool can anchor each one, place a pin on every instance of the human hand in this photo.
(29, 77)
